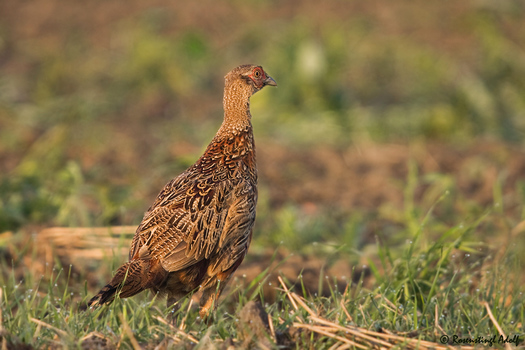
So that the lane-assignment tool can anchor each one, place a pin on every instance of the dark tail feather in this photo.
(130, 279)
(106, 295)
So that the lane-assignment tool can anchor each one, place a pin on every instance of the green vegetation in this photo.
(95, 118)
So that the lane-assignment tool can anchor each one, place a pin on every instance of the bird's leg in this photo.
(171, 303)
(208, 301)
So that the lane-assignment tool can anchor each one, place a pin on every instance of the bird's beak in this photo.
(269, 81)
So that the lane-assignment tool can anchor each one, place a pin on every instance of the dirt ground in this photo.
(367, 176)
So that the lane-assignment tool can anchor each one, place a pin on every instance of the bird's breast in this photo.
(230, 158)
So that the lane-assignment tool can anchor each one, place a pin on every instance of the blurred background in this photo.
(383, 109)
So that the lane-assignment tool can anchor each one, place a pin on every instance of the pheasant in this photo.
(197, 232)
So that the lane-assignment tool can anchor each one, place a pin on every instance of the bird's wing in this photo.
(190, 220)
(236, 233)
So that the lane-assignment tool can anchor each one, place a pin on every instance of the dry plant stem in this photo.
(346, 312)
(344, 347)
(363, 313)
(391, 304)
(129, 333)
(335, 346)
(37, 332)
(328, 334)
(361, 335)
(339, 346)
(358, 334)
(182, 323)
(361, 332)
(88, 242)
(287, 293)
(303, 304)
(436, 319)
(496, 324)
(349, 330)
(272, 330)
(178, 331)
(41, 323)
(91, 334)
(436, 322)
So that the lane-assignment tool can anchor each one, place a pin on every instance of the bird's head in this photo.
(254, 77)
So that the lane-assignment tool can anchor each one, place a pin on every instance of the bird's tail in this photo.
(130, 279)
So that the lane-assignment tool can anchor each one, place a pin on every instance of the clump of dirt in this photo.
(9, 341)
(254, 328)
(96, 341)
(255, 331)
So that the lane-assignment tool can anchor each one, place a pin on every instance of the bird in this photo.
(198, 230)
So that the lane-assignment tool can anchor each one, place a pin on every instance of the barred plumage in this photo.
(197, 232)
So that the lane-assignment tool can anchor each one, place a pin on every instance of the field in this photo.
(391, 164)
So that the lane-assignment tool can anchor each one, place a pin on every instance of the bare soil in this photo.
(367, 176)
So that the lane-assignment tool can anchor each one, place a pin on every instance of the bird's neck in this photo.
(236, 104)
(234, 140)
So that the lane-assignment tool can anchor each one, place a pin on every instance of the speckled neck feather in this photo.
(236, 104)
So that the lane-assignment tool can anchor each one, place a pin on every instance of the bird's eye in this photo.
(257, 73)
